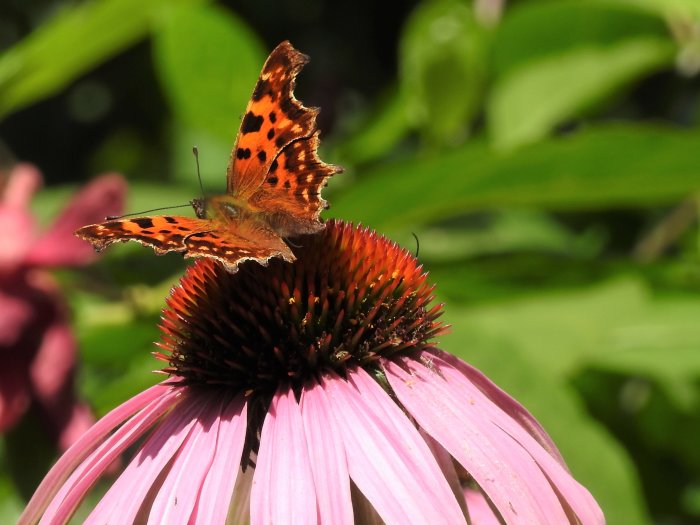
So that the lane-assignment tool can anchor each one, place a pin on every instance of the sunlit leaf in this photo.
(526, 104)
(619, 325)
(74, 41)
(594, 168)
(208, 60)
(443, 56)
(532, 31)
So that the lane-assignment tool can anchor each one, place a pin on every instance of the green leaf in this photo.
(594, 169)
(528, 103)
(595, 459)
(499, 233)
(531, 31)
(619, 325)
(660, 7)
(208, 61)
(70, 44)
(443, 58)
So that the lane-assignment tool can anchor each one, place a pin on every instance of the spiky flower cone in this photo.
(311, 392)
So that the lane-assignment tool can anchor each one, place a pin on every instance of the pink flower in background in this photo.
(311, 392)
(36, 343)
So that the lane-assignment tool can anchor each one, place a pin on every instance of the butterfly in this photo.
(274, 180)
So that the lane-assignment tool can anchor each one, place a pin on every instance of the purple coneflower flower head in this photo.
(36, 342)
(312, 392)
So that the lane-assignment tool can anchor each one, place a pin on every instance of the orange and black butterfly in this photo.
(274, 181)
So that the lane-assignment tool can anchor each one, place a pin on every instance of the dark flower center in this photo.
(350, 298)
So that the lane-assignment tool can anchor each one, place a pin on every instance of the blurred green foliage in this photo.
(545, 152)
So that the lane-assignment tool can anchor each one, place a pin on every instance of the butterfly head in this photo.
(200, 207)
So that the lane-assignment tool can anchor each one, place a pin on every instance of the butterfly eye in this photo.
(230, 210)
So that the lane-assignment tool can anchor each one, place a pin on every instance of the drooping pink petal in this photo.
(89, 471)
(24, 180)
(178, 494)
(283, 484)
(127, 494)
(458, 425)
(461, 420)
(58, 246)
(51, 483)
(364, 512)
(480, 512)
(503, 400)
(387, 458)
(54, 362)
(215, 496)
(17, 231)
(447, 467)
(574, 494)
(327, 456)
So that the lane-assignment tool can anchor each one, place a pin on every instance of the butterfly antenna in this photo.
(417, 244)
(195, 152)
(115, 217)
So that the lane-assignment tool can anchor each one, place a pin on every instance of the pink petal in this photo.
(387, 458)
(447, 467)
(53, 364)
(480, 512)
(283, 485)
(17, 231)
(17, 226)
(457, 424)
(128, 493)
(460, 419)
(328, 463)
(177, 496)
(24, 180)
(215, 496)
(89, 471)
(83, 447)
(504, 401)
(58, 246)
(574, 494)
(363, 509)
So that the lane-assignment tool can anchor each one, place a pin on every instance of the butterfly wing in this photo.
(291, 192)
(163, 234)
(229, 243)
(274, 164)
(240, 241)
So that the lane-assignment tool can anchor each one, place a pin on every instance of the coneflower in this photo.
(312, 392)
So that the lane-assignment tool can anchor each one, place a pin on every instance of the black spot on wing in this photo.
(262, 156)
(251, 123)
(243, 153)
(261, 89)
(143, 222)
